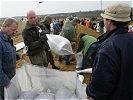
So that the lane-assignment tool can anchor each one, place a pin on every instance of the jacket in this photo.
(69, 31)
(31, 38)
(7, 60)
(112, 75)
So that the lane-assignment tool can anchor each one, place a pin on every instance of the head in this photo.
(32, 17)
(9, 26)
(70, 18)
(116, 15)
(82, 34)
(48, 20)
(75, 21)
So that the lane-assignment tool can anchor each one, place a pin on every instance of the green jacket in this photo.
(69, 31)
(32, 40)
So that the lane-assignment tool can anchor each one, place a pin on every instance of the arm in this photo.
(105, 74)
(30, 42)
(80, 45)
(4, 80)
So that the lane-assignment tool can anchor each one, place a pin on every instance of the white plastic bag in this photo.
(79, 57)
(31, 76)
(63, 93)
(59, 44)
(33, 93)
(13, 91)
(88, 70)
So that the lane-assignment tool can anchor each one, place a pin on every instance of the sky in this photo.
(12, 8)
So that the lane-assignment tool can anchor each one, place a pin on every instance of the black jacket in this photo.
(112, 76)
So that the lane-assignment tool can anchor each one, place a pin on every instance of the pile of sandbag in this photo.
(33, 82)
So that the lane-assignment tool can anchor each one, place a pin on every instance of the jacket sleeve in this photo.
(28, 40)
(105, 73)
(4, 80)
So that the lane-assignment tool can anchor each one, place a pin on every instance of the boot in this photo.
(54, 67)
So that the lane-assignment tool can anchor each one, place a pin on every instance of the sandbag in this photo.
(13, 91)
(59, 44)
(78, 57)
(44, 79)
(33, 93)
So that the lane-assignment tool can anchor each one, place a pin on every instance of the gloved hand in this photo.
(43, 38)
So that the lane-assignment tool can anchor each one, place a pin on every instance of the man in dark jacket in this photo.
(8, 54)
(35, 42)
(112, 75)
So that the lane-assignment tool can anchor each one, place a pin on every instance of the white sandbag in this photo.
(23, 78)
(33, 93)
(12, 92)
(74, 97)
(59, 44)
(46, 95)
(81, 90)
(63, 93)
(79, 57)
(88, 70)
(31, 76)
(81, 78)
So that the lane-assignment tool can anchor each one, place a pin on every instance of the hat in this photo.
(117, 12)
(70, 18)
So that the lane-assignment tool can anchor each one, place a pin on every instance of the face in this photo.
(107, 24)
(11, 30)
(32, 18)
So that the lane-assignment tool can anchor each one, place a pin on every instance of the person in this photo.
(69, 32)
(101, 27)
(8, 55)
(112, 73)
(35, 42)
(57, 28)
(85, 44)
(45, 26)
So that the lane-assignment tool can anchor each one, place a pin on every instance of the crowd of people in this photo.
(111, 54)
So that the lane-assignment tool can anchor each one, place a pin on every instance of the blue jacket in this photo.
(112, 76)
(7, 60)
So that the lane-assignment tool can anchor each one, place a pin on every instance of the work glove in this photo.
(43, 38)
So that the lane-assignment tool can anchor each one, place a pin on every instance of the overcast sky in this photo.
(11, 8)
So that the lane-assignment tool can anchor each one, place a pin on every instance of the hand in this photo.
(8, 85)
(43, 38)
(22, 56)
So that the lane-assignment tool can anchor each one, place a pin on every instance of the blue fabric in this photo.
(7, 60)
(1, 93)
(112, 74)
(87, 56)
(67, 58)
(57, 26)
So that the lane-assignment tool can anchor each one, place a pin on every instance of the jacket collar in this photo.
(108, 34)
(4, 36)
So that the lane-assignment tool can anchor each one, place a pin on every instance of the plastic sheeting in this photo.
(30, 76)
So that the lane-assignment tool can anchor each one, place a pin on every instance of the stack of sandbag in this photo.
(33, 82)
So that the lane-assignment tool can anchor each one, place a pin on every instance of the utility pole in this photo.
(101, 4)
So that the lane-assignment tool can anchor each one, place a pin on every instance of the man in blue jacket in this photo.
(8, 54)
(112, 75)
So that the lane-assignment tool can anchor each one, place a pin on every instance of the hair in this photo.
(10, 21)
(120, 24)
(47, 19)
(82, 34)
